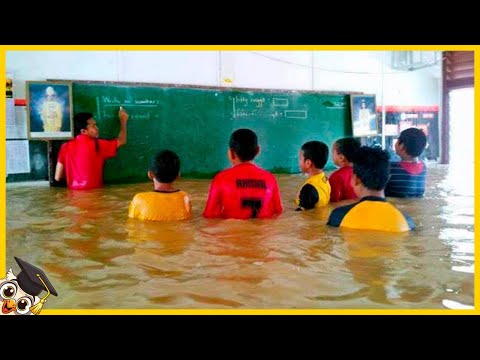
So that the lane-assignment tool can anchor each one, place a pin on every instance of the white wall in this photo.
(362, 71)
(180, 67)
(249, 69)
(349, 71)
(42, 65)
(413, 88)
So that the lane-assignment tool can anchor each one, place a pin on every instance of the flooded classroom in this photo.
(97, 257)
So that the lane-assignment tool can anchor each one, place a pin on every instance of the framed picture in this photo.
(364, 115)
(49, 110)
(9, 86)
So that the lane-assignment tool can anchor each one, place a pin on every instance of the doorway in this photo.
(462, 145)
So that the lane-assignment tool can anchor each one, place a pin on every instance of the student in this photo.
(315, 192)
(372, 211)
(83, 157)
(408, 176)
(245, 190)
(343, 151)
(164, 202)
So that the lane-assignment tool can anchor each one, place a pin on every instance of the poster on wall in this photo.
(18, 158)
(9, 86)
(424, 117)
(10, 101)
(391, 130)
(49, 114)
(405, 124)
(364, 116)
(19, 128)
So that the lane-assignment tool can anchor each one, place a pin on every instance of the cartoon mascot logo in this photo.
(19, 294)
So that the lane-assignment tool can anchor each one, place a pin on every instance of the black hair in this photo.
(347, 147)
(165, 166)
(414, 140)
(80, 121)
(244, 143)
(372, 167)
(317, 152)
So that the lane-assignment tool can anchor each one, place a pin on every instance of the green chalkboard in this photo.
(197, 122)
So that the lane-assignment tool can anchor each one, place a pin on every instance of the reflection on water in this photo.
(98, 258)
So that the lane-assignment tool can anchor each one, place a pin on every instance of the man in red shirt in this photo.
(83, 157)
(244, 191)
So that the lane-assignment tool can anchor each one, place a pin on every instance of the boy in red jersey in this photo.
(343, 151)
(244, 191)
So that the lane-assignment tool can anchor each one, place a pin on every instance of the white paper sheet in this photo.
(18, 158)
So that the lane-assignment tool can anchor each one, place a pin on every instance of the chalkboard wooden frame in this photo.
(206, 87)
(280, 136)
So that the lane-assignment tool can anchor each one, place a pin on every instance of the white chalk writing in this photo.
(116, 101)
(258, 102)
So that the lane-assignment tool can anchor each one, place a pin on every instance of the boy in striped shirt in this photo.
(408, 176)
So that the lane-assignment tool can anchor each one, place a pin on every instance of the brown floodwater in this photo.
(98, 258)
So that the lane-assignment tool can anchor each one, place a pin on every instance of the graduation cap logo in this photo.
(30, 281)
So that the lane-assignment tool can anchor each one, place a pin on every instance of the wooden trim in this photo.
(460, 55)
(462, 62)
(464, 74)
(460, 67)
(459, 83)
(205, 87)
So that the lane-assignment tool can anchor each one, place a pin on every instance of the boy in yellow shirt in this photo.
(371, 170)
(315, 192)
(164, 203)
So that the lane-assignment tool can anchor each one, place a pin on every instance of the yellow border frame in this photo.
(475, 48)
